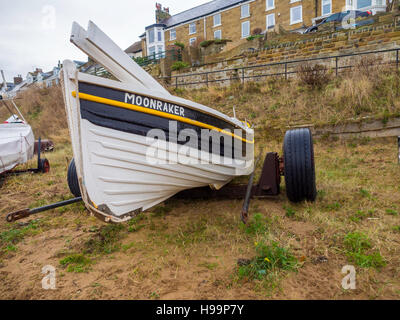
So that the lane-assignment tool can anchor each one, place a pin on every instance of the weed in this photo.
(154, 295)
(268, 258)
(365, 193)
(392, 212)
(9, 238)
(256, 225)
(396, 229)
(208, 265)
(289, 212)
(105, 240)
(76, 262)
(359, 250)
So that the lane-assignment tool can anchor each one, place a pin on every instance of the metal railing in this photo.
(288, 68)
(174, 54)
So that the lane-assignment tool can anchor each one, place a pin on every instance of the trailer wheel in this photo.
(44, 165)
(298, 157)
(72, 178)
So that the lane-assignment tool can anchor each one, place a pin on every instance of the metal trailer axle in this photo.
(17, 215)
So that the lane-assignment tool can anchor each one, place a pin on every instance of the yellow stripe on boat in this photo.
(134, 107)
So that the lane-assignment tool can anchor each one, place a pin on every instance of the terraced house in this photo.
(236, 19)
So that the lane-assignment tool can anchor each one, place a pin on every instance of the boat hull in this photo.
(16, 145)
(129, 152)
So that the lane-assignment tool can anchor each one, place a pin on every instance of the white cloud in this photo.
(35, 33)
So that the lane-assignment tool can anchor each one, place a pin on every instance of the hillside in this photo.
(191, 249)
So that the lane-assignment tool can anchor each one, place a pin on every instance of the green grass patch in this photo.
(77, 263)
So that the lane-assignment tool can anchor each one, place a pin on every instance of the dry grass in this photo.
(277, 103)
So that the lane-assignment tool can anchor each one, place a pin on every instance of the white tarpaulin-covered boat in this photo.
(134, 144)
(16, 137)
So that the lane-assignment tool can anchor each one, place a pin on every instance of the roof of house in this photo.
(136, 47)
(200, 11)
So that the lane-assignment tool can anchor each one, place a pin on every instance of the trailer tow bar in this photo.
(17, 215)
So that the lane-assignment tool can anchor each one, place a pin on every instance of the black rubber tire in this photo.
(44, 165)
(299, 166)
(72, 179)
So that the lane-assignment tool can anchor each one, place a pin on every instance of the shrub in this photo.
(180, 45)
(178, 65)
(315, 76)
(206, 43)
(255, 36)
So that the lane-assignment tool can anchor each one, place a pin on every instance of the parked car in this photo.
(339, 17)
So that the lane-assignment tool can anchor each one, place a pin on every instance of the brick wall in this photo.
(231, 20)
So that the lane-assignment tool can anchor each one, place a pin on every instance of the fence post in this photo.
(397, 59)
(243, 75)
(207, 79)
(286, 75)
(336, 65)
(176, 82)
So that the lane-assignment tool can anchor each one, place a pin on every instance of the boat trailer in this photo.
(268, 185)
(43, 164)
(296, 165)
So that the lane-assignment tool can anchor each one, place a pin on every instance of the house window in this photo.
(326, 6)
(245, 10)
(296, 14)
(192, 28)
(270, 21)
(192, 41)
(270, 4)
(363, 3)
(151, 35)
(159, 36)
(217, 34)
(172, 34)
(245, 29)
(217, 20)
(152, 50)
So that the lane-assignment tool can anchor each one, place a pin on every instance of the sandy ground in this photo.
(189, 249)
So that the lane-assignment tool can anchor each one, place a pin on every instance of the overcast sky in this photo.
(35, 33)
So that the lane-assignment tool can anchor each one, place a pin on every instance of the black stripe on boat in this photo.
(140, 123)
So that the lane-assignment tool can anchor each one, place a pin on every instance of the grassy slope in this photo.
(190, 249)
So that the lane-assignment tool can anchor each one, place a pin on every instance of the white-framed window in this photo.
(172, 34)
(296, 14)
(152, 50)
(217, 34)
(363, 3)
(159, 35)
(192, 28)
(245, 29)
(217, 20)
(270, 4)
(151, 35)
(192, 41)
(245, 10)
(326, 7)
(270, 20)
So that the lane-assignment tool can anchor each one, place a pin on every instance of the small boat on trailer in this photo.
(16, 137)
(136, 145)
(17, 142)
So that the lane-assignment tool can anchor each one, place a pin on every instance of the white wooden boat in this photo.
(16, 137)
(136, 145)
